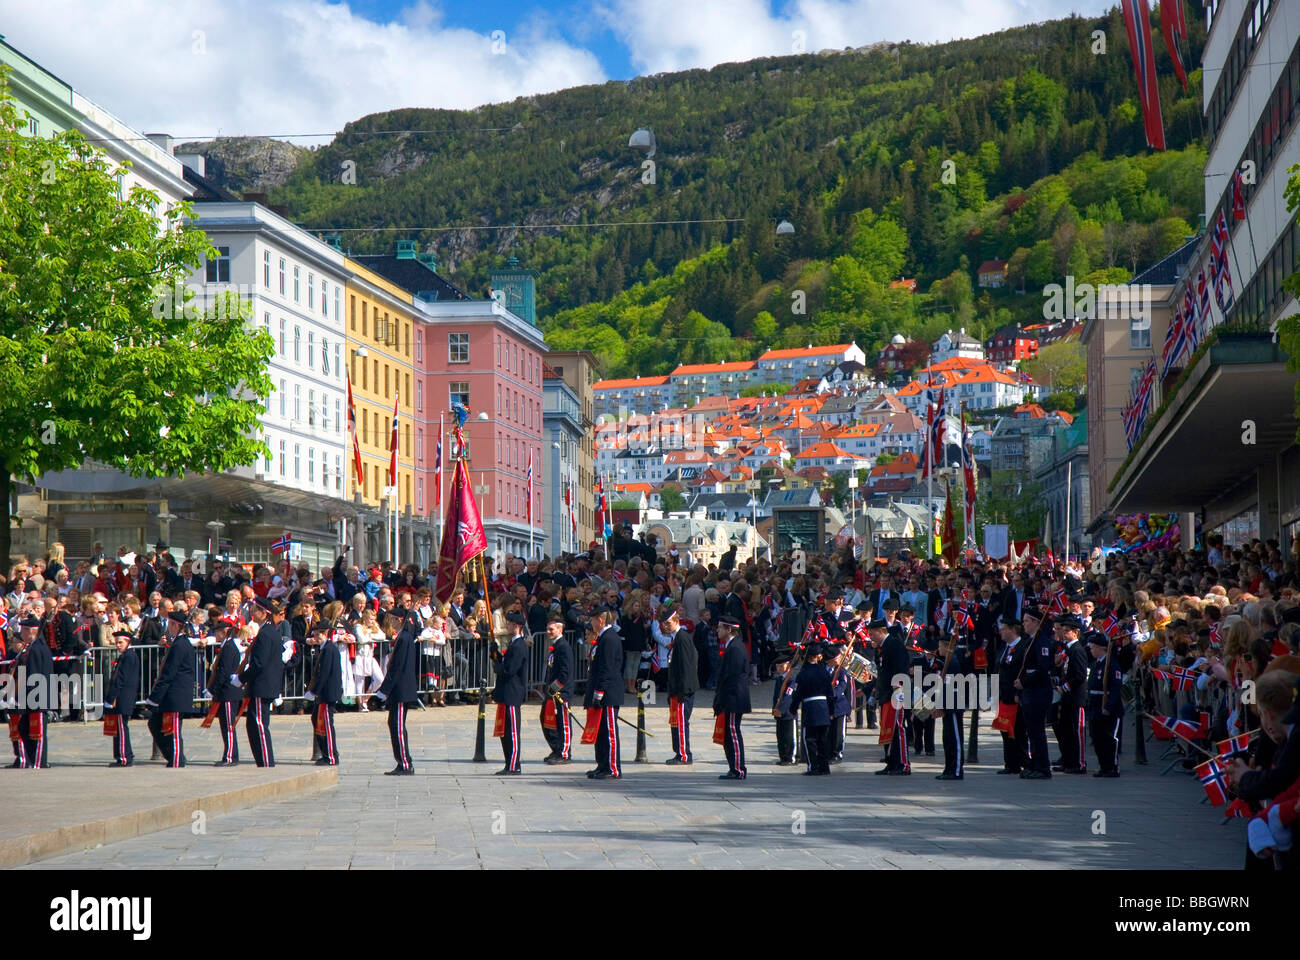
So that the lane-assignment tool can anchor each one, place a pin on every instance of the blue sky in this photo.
(204, 68)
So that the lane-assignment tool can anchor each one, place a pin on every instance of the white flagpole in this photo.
(437, 514)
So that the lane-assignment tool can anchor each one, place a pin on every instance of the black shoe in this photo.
(883, 772)
(678, 762)
(949, 776)
(399, 772)
(898, 773)
(114, 763)
(550, 757)
(1109, 774)
(507, 772)
(929, 753)
(322, 762)
(835, 760)
(602, 775)
(785, 763)
(1035, 775)
(1008, 771)
(560, 761)
(1057, 768)
(810, 773)
(591, 774)
(15, 765)
(1079, 771)
(226, 763)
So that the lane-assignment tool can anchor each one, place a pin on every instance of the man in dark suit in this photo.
(731, 697)
(878, 596)
(511, 689)
(263, 678)
(683, 682)
(326, 690)
(1071, 719)
(398, 691)
(893, 660)
(34, 661)
(226, 690)
(559, 687)
(605, 693)
(120, 697)
(1011, 662)
(1035, 692)
(936, 595)
(172, 695)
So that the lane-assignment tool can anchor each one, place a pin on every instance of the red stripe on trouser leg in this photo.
(514, 738)
(1083, 762)
(612, 727)
(563, 712)
(176, 739)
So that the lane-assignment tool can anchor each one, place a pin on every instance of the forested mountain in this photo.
(917, 161)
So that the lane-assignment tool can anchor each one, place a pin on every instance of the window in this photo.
(311, 463)
(407, 436)
(458, 348)
(311, 294)
(311, 408)
(352, 311)
(283, 398)
(296, 285)
(266, 325)
(324, 469)
(375, 372)
(297, 461)
(297, 344)
(458, 391)
(266, 269)
(324, 302)
(324, 356)
(324, 412)
(419, 444)
(419, 498)
(419, 348)
(1139, 333)
(365, 309)
(282, 276)
(338, 358)
(338, 304)
(498, 354)
(387, 389)
(365, 375)
(282, 457)
(311, 350)
(338, 472)
(218, 267)
(419, 395)
(406, 333)
(297, 401)
(406, 390)
(338, 415)
(365, 427)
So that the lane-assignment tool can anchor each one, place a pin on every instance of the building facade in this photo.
(578, 369)
(793, 365)
(690, 382)
(562, 445)
(632, 395)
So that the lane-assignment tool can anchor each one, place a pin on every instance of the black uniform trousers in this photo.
(258, 724)
(229, 741)
(326, 742)
(896, 756)
(1070, 734)
(1105, 739)
(510, 737)
(954, 750)
(835, 738)
(682, 707)
(561, 738)
(814, 749)
(397, 734)
(608, 750)
(785, 739)
(1034, 705)
(171, 746)
(922, 738)
(733, 744)
(122, 752)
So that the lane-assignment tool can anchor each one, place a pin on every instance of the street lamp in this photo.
(213, 527)
(784, 229)
(643, 140)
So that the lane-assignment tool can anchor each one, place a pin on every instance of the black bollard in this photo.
(973, 750)
(1139, 738)
(858, 713)
(480, 755)
(798, 741)
(640, 727)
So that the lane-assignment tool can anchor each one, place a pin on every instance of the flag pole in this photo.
(929, 444)
(437, 507)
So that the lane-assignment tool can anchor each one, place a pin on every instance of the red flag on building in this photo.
(1137, 20)
(392, 447)
(1173, 24)
(437, 470)
(1238, 198)
(352, 428)
(530, 487)
(970, 479)
(463, 537)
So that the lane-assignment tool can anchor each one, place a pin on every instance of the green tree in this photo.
(670, 498)
(880, 245)
(1059, 366)
(95, 365)
(770, 389)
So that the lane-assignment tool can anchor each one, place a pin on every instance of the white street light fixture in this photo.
(784, 229)
(643, 140)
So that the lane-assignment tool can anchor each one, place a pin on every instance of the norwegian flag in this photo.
(1138, 23)
(1173, 24)
(352, 429)
(1166, 728)
(1180, 678)
(961, 619)
(1216, 638)
(392, 447)
(970, 477)
(1238, 198)
(437, 470)
(1226, 748)
(1203, 316)
(1058, 601)
(530, 487)
(815, 631)
(1173, 344)
(282, 544)
(573, 508)
(4, 617)
(1107, 624)
(1213, 780)
(1238, 808)
(1220, 275)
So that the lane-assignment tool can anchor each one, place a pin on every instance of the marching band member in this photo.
(731, 698)
(1035, 690)
(224, 684)
(893, 661)
(173, 692)
(1073, 662)
(120, 697)
(399, 689)
(511, 689)
(683, 682)
(957, 663)
(1105, 703)
(263, 678)
(559, 680)
(782, 712)
(605, 692)
(810, 693)
(1011, 663)
(326, 690)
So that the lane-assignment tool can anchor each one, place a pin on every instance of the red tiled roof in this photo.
(629, 382)
(805, 352)
(726, 367)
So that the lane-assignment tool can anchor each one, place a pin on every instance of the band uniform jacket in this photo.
(1074, 676)
(1099, 694)
(811, 689)
(511, 680)
(606, 671)
(228, 660)
(1040, 661)
(894, 660)
(559, 666)
(174, 689)
(124, 686)
(732, 693)
(263, 678)
(327, 685)
(401, 681)
(683, 665)
(1010, 662)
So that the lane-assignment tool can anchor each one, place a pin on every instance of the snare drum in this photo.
(860, 668)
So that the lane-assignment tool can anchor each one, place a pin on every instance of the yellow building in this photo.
(379, 330)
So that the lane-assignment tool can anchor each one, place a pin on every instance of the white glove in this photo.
(235, 681)
(309, 695)
(279, 700)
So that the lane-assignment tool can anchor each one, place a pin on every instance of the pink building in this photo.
(485, 356)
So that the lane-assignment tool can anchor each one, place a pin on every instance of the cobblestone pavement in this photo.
(456, 813)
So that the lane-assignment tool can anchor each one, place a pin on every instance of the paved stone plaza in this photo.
(456, 813)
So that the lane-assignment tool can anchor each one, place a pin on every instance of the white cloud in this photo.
(194, 68)
(667, 35)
